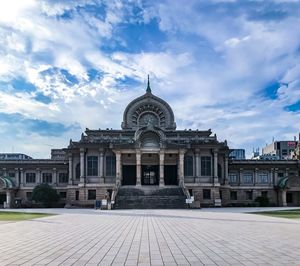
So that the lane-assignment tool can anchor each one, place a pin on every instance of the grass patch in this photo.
(21, 216)
(291, 214)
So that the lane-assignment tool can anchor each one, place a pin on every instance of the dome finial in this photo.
(148, 90)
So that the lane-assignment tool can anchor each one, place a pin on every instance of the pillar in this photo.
(275, 177)
(198, 167)
(255, 176)
(101, 165)
(283, 196)
(118, 167)
(271, 177)
(226, 182)
(181, 166)
(161, 168)
(54, 177)
(216, 179)
(22, 179)
(82, 166)
(8, 199)
(70, 169)
(38, 176)
(17, 177)
(240, 176)
(138, 168)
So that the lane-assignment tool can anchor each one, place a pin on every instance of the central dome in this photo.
(148, 109)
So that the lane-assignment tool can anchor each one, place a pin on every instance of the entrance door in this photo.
(2, 198)
(129, 175)
(170, 174)
(150, 175)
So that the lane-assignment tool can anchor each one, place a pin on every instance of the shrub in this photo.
(262, 201)
(45, 194)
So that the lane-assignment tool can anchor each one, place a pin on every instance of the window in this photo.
(77, 171)
(47, 178)
(263, 178)
(248, 178)
(63, 178)
(233, 195)
(92, 165)
(289, 197)
(232, 178)
(77, 195)
(91, 194)
(206, 165)
(249, 195)
(30, 177)
(284, 152)
(62, 194)
(281, 174)
(110, 165)
(206, 194)
(12, 174)
(188, 165)
(264, 194)
(29, 195)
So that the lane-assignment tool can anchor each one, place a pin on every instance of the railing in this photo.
(115, 192)
(184, 189)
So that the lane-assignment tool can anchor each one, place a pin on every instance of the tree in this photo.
(45, 194)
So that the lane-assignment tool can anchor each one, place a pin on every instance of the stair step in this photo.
(150, 197)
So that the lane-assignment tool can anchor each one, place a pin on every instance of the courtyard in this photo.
(151, 237)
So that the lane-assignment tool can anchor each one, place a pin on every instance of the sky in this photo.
(232, 66)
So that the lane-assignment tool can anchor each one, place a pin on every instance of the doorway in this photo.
(150, 175)
(129, 175)
(170, 174)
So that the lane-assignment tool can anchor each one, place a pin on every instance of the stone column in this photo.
(82, 175)
(138, 168)
(198, 167)
(226, 182)
(54, 177)
(17, 178)
(283, 195)
(4, 171)
(240, 176)
(118, 167)
(181, 166)
(275, 177)
(8, 198)
(70, 169)
(101, 165)
(216, 179)
(161, 168)
(255, 176)
(38, 176)
(22, 179)
(271, 177)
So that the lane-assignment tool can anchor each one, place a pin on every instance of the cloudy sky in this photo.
(232, 66)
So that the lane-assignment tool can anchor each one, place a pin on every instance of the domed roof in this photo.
(148, 109)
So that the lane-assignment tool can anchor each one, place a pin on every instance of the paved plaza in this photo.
(151, 237)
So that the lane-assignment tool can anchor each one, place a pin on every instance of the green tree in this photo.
(45, 194)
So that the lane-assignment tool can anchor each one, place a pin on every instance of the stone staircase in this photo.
(150, 197)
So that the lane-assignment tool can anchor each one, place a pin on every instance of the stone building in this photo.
(148, 163)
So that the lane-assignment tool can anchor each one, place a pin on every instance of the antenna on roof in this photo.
(148, 90)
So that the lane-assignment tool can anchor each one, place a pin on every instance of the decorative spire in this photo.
(148, 90)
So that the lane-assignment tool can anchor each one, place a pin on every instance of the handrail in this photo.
(115, 192)
(184, 189)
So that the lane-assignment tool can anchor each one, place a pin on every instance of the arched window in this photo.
(188, 165)
(77, 171)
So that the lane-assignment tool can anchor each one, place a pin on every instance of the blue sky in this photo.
(232, 66)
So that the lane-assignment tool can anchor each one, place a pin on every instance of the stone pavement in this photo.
(151, 237)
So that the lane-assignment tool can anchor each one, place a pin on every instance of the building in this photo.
(283, 150)
(14, 156)
(237, 154)
(148, 163)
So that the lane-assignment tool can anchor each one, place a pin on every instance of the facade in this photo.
(147, 154)
(283, 150)
(237, 154)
